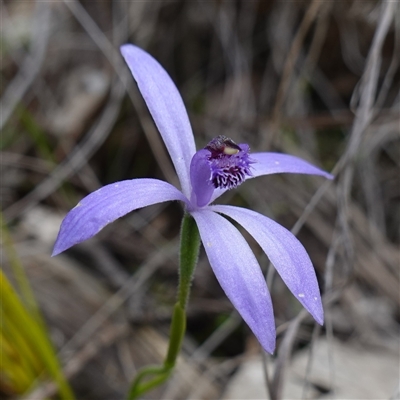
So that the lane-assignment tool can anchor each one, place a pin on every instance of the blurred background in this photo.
(316, 79)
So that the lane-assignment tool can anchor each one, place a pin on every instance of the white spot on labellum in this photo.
(230, 151)
(301, 294)
(276, 162)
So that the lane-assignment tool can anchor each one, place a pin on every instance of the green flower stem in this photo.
(190, 245)
(160, 375)
(152, 376)
(178, 329)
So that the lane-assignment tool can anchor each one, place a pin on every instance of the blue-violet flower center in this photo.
(229, 162)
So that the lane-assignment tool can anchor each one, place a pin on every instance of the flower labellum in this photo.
(204, 175)
(229, 162)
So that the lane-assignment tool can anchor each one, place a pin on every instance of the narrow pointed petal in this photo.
(166, 107)
(238, 273)
(276, 163)
(107, 204)
(200, 177)
(285, 252)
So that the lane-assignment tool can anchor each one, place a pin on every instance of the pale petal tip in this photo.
(60, 246)
(319, 317)
(269, 345)
(56, 252)
(316, 310)
(125, 47)
(329, 176)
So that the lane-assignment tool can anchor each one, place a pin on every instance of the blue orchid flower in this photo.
(204, 175)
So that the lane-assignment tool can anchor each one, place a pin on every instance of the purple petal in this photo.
(238, 273)
(275, 163)
(285, 252)
(107, 204)
(167, 108)
(217, 193)
(200, 177)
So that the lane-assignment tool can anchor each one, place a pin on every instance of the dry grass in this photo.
(316, 79)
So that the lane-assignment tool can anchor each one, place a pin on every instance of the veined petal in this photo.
(238, 273)
(275, 163)
(166, 107)
(286, 253)
(107, 204)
